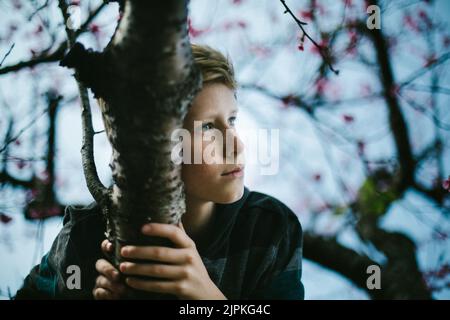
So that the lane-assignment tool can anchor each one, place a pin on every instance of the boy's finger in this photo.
(106, 246)
(161, 254)
(102, 294)
(153, 285)
(105, 283)
(152, 270)
(171, 232)
(107, 269)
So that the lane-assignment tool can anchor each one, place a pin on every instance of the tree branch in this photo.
(5, 178)
(397, 122)
(95, 186)
(55, 56)
(324, 51)
(58, 54)
(396, 282)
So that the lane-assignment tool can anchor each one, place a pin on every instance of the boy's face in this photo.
(214, 107)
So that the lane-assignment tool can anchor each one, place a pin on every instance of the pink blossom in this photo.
(21, 164)
(242, 24)
(361, 147)
(348, 118)
(430, 60)
(193, 32)
(394, 90)
(366, 89)
(306, 15)
(446, 184)
(425, 18)
(95, 29)
(409, 21)
(320, 85)
(5, 218)
(348, 3)
(17, 4)
(446, 41)
(38, 29)
(288, 100)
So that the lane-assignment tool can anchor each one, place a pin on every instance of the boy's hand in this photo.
(180, 270)
(108, 285)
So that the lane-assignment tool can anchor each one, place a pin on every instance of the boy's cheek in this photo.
(201, 179)
(200, 173)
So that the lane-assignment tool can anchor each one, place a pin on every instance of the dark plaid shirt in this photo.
(254, 252)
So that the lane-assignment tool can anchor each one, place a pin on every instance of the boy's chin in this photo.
(230, 196)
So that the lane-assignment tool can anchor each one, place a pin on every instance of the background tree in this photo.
(357, 148)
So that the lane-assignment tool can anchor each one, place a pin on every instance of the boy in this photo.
(232, 243)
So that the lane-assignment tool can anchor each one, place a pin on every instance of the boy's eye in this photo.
(233, 120)
(207, 126)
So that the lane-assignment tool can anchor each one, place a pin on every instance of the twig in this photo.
(438, 122)
(53, 57)
(7, 54)
(38, 9)
(443, 58)
(32, 122)
(95, 186)
(323, 51)
(424, 88)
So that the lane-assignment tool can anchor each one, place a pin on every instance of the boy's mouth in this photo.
(235, 170)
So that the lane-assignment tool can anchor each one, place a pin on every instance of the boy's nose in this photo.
(234, 151)
(239, 145)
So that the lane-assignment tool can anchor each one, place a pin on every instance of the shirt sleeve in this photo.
(40, 282)
(286, 271)
(78, 243)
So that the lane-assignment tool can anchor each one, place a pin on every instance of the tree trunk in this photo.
(146, 80)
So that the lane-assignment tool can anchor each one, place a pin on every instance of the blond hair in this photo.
(214, 66)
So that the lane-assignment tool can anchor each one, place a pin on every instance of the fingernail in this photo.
(124, 251)
(146, 227)
(109, 246)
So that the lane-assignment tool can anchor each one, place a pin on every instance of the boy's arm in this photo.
(40, 282)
